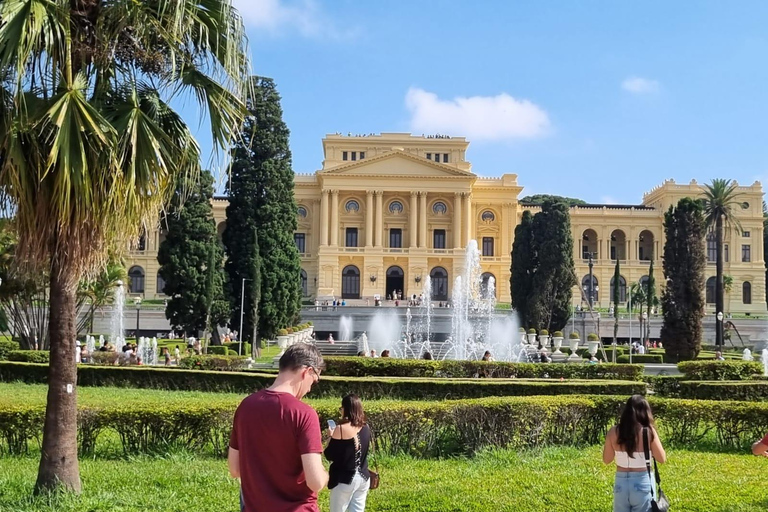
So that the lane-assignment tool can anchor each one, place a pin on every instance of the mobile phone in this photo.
(331, 424)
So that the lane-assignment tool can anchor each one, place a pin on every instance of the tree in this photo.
(539, 199)
(95, 293)
(682, 300)
(554, 274)
(720, 205)
(616, 298)
(191, 257)
(522, 268)
(261, 204)
(650, 298)
(90, 147)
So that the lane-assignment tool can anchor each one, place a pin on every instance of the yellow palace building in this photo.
(387, 210)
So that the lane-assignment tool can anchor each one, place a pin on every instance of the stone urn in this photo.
(593, 344)
(558, 340)
(573, 344)
(282, 342)
(544, 339)
(532, 337)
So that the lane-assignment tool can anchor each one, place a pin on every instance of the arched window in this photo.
(439, 277)
(589, 244)
(396, 207)
(304, 290)
(711, 247)
(622, 289)
(352, 206)
(487, 285)
(439, 208)
(587, 289)
(160, 284)
(350, 282)
(302, 212)
(136, 280)
(711, 290)
(618, 246)
(746, 292)
(645, 249)
(488, 216)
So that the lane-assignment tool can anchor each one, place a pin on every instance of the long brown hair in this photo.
(636, 415)
(352, 410)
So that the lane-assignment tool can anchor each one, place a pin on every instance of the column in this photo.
(369, 218)
(335, 218)
(422, 219)
(626, 249)
(413, 217)
(467, 219)
(457, 197)
(379, 218)
(323, 218)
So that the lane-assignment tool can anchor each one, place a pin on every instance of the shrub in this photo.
(521, 330)
(641, 358)
(30, 356)
(219, 350)
(543, 332)
(391, 367)
(720, 370)
(531, 331)
(593, 337)
(290, 330)
(574, 335)
(754, 390)
(104, 358)
(234, 347)
(282, 332)
(7, 346)
(211, 362)
(558, 334)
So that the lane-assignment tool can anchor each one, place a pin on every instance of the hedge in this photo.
(720, 370)
(392, 367)
(7, 346)
(233, 347)
(30, 356)
(212, 362)
(218, 350)
(755, 390)
(367, 388)
(641, 358)
(417, 428)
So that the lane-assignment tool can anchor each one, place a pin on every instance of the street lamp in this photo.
(719, 327)
(645, 321)
(137, 303)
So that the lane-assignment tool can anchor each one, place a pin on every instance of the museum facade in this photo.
(387, 210)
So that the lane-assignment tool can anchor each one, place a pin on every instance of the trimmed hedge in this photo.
(756, 390)
(417, 428)
(7, 346)
(391, 367)
(218, 350)
(30, 356)
(641, 358)
(720, 370)
(213, 362)
(234, 346)
(367, 388)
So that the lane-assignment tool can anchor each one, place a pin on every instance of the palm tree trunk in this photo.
(719, 281)
(58, 462)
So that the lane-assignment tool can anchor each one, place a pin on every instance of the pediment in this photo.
(396, 164)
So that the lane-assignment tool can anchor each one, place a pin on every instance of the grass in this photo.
(552, 479)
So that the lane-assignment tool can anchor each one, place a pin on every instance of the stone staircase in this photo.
(337, 348)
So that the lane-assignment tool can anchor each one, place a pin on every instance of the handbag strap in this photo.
(648, 457)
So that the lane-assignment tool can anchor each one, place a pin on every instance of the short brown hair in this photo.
(352, 408)
(301, 354)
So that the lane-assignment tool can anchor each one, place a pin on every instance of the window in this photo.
(445, 158)
(354, 156)
(710, 295)
(142, 245)
(344, 155)
(746, 253)
(438, 239)
(439, 208)
(160, 284)
(487, 246)
(395, 207)
(429, 156)
(725, 251)
(350, 282)
(351, 237)
(613, 254)
(301, 242)
(622, 289)
(136, 280)
(396, 238)
(488, 216)
(362, 155)
(745, 234)
(303, 278)
(711, 247)
(746, 292)
(302, 212)
(352, 206)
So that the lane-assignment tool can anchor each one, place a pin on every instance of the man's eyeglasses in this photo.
(316, 372)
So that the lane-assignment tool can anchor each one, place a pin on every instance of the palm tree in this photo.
(98, 292)
(90, 146)
(720, 206)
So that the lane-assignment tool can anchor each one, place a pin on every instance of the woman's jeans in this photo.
(350, 497)
(632, 492)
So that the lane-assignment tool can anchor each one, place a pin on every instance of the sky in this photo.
(600, 100)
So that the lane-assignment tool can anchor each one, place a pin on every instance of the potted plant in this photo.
(557, 338)
(593, 343)
(532, 336)
(282, 338)
(573, 344)
(523, 337)
(544, 338)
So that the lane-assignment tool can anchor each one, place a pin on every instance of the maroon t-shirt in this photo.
(271, 431)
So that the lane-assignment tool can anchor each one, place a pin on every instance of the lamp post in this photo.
(591, 295)
(137, 303)
(242, 306)
(719, 327)
(645, 321)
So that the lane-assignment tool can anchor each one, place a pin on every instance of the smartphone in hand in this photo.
(331, 425)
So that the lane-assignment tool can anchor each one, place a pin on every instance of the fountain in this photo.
(764, 359)
(147, 350)
(90, 344)
(116, 331)
(346, 331)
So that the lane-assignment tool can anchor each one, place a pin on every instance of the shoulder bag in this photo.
(659, 503)
(374, 474)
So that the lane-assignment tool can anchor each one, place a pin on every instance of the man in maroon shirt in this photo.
(760, 448)
(275, 448)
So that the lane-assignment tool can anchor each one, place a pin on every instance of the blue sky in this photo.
(597, 100)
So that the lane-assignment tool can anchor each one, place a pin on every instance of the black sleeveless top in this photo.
(348, 457)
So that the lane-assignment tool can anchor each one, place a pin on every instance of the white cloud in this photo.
(637, 85)
(608, 200)
(277, 16)
(500, 117)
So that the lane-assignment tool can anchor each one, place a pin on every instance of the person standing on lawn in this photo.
(760, 448)
(275, 447)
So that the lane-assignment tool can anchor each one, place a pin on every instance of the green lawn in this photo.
(554, 479)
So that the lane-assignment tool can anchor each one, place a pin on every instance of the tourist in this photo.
(487, 356)
(760, 448)
(85, 356)
(641, 349)
(624, 444)
(167, 356)
(427, 356)
(544, 358)
(385, 353)
(719, 356)
(593, 360)
(78, 352)
(349, 478)
(330, 338)
(362, 353)
(343, 302)
(177, 354)
(277, 438)
(373, 353)
(317, 305)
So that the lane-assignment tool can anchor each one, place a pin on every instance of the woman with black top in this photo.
(348, 452)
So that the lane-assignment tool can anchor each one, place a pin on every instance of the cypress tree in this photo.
(190, 257)
(261, 205)
(522, 268)
(554, 275)
(682, 301)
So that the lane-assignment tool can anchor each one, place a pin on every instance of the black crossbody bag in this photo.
(660, 503)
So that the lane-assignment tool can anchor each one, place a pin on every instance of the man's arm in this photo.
(760, 449)
(314, 472)
(233, 461)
